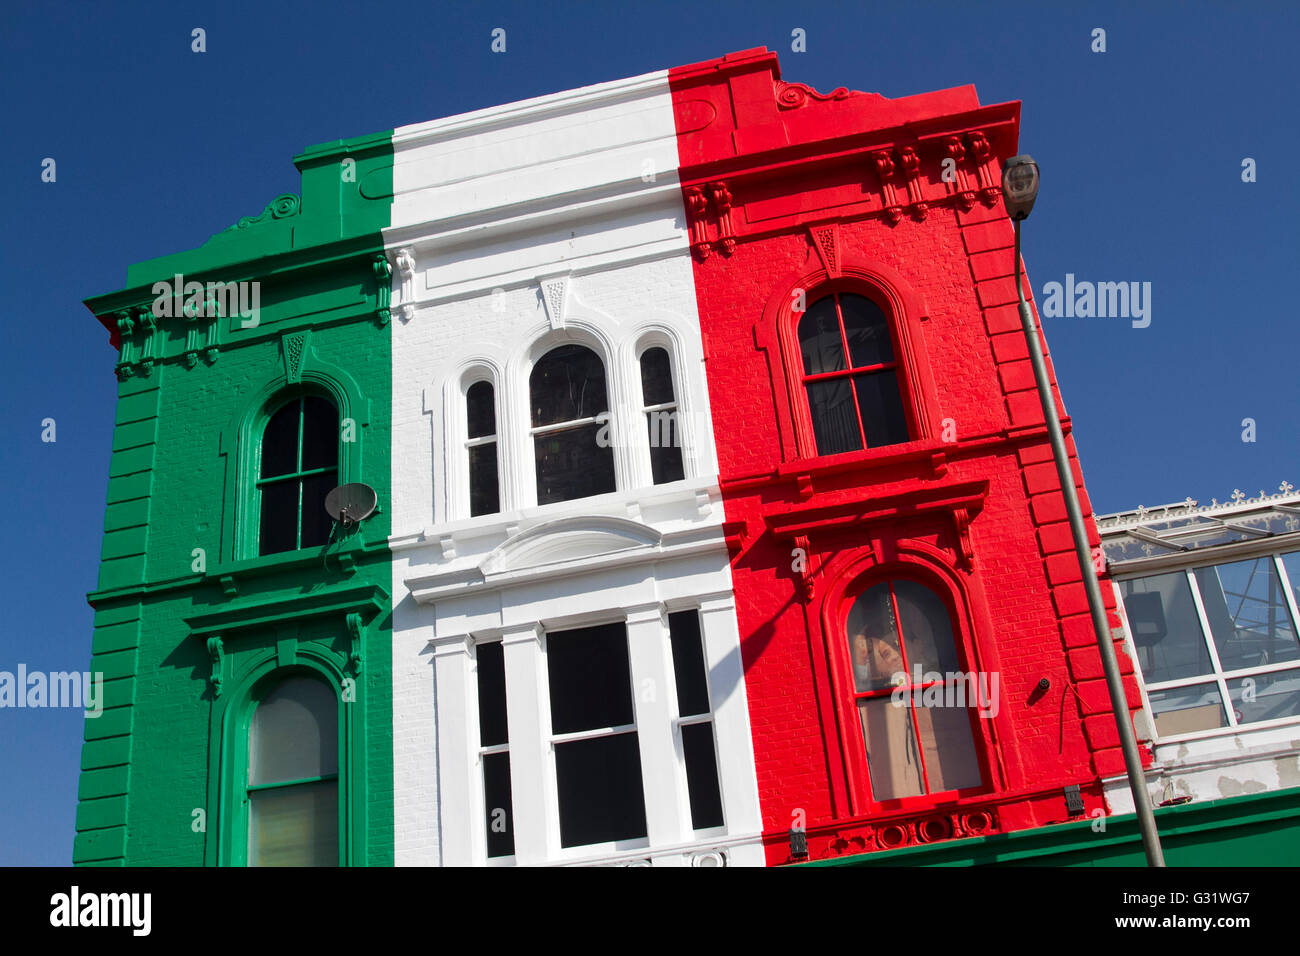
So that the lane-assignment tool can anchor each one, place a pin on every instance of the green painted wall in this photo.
(181, 642)
(1257, 830)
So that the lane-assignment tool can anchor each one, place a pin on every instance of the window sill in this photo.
(931, 452)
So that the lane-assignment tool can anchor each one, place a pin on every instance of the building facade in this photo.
(716, 522)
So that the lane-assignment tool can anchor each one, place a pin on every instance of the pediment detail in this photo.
(570, 539)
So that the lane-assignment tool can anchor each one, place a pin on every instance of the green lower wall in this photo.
(1251, 831)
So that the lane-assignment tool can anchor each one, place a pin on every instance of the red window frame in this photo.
(852, 372)
(854, 738)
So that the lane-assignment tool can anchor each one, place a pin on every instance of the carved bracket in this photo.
(383, 287)
(888, 194)
(405, 263)
(911, 164)
(960, 185)
(357, 629)
(697, 208)
(986, 168)
(720, 200)
(217, 654)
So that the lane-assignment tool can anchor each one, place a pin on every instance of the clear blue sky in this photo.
(157, 148)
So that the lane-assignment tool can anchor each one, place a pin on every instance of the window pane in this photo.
(566, 384)
(484, 486)
(496, 799)
(316, 521)
(294, 732)
(867, 330)
(892, 756)
(294, 826)
(480, 410)
(702, 776)
(320, 433)
(491, 694)
(1248, 614)
(927, 629)
(599, 784)
(656, 377)
(949, 747)
(572, 464)
(873, 640)
(688, 663)
(819, 338)
(590, 679)
(834, 417)
(665, 447)
(1265, 696)
(279, 522)
(882, 409)
(1182, 710)
(1165, 627)
(280, 442)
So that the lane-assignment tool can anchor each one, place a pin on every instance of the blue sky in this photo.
(1141, 150)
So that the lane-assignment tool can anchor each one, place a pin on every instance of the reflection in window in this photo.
(854, 402)
(299, 467)
(480, 411)
(570, 418)
(660, 410)
(900, 635)
(293, 770)
(1246, 608)
(1165, 627)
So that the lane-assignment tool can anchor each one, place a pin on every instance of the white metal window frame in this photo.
(1219, 677)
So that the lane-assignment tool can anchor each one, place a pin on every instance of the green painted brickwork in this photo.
(185, 437)
(1256, 830)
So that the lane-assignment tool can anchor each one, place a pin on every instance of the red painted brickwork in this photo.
(788, 189)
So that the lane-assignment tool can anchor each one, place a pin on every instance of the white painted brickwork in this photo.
(517, 229)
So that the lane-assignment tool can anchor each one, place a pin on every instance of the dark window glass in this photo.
(688, 663)
(279, 523)
(496, 800)
(819, 338)
(280, 442)
(491, 694)
(882, 409)
(861, 404)
(567, 384)
(656, 377)
(867, 330)
(599, 784)
(481, 412)
(573, 463)
(316, 522)
(834, 418)
(320, 434)
(665, 447)
(1166, 627)
(702, 775)
(484, 485)
(590, 680)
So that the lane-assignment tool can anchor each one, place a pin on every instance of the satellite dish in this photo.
(351, 503)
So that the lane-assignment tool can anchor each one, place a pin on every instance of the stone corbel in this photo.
(986, 168)
(960, 185)
(144, 332)
(805, 572)
(720, 198)
(697, 209)
(888, 194)
(125, 335)
(357, 630)
(191, 340)
(405, 263)
(911, 164)
(217, 654)
(961, 518)
(383, 287)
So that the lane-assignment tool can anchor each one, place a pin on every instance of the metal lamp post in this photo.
(1019, 190)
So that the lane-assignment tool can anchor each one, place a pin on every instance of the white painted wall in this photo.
(517, 229)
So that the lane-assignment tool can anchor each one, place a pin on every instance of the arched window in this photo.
(299, 466)
(292, 790)
(570, 416)
(850, 375)
(660, 409)
(912, 699)
(481, 449)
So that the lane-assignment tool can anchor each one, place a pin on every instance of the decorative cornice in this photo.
(1189, 506)
(281, 207)
(791, 96)
(368, 600)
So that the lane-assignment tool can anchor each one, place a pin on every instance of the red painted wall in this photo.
(788, 189)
